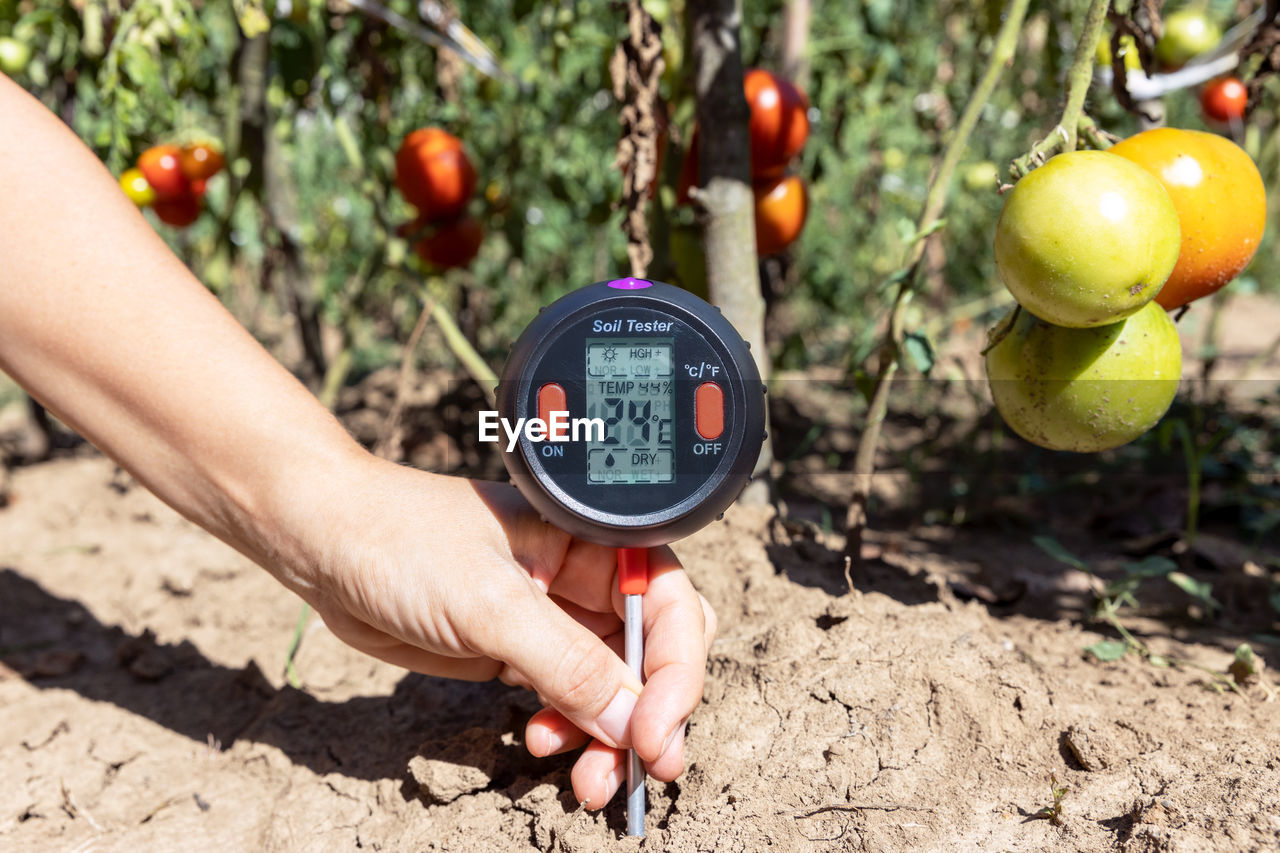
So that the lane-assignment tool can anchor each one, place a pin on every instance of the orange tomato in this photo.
(450, 244)
(781, 207)
(434, 174)
(179, 211)
(1221, 204)
(161, 166)
(779, 121)
(200, 161)
(1224, 99)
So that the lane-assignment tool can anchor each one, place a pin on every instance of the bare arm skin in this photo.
(102, 324)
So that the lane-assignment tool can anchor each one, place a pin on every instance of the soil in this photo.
(145, 707)
(932, 700)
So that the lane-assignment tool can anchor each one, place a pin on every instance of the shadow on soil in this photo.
(57, 643)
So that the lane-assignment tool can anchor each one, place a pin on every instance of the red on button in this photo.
(708, 410)
(551, 398)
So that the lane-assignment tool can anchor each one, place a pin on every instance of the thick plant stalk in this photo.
(636, 69)
(724, 195)
(864, 462)
(795, 41)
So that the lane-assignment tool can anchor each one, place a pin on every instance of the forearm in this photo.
(107, 328)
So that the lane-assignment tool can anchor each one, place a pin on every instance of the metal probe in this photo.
(633, 627)
(633, 581)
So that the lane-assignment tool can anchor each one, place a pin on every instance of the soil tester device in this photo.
(655, 416)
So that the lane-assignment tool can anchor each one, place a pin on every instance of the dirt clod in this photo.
(447, 769)
(1091, 748)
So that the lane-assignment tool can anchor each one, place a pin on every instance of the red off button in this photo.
(551, 398)
(708, 409)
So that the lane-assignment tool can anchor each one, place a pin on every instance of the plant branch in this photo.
(864, 463)
(462, 349)
(1079, 76)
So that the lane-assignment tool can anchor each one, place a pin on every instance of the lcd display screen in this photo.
(631, 387)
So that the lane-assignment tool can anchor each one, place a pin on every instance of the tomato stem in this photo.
(1002, 54)
(1064, 135)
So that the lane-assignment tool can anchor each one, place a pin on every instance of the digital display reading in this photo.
(631, 387)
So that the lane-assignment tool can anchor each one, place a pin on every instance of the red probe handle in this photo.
(633, 571)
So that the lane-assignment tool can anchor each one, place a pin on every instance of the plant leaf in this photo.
(919, 350)
(1150, 567)
(1054, 549)
(1201, 590)
(1107, 650)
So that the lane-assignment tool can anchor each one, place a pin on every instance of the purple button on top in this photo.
(630, 283)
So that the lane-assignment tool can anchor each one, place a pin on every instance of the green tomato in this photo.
(1187, 33)
(14, 56)
(1084, 390)
(982, 176)
(1086, 239)
(1128, 49)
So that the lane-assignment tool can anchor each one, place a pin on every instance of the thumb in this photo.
(569, 666)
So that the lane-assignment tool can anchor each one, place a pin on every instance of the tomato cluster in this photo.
(778, 129)
(172, 180)
(435, 175)
(1095, 246)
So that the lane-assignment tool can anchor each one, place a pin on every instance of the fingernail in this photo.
(612, 783)
(615, 720)
(553, 741)
(671, 737)
(538, 740)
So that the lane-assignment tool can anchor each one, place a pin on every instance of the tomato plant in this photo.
(14, 55)
(135, 186)
(1086, 239)
(162, 167)
(779, 122)
(434, 174)
(1187, 33)
(1084, 390)
(178, 211)
(450, 244)
(1224, 100)
(781, 208)
(200, 161)
(1220, 201)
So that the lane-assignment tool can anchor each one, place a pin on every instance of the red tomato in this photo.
(1224, 99)
(779, 121)
(781, 207)
(200, 161)
(434, 174)
(450, 244)
(178, 212)
(162, 167)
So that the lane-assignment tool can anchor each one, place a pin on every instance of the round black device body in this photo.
(654, 409)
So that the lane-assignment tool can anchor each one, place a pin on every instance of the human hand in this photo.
(461, 579)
